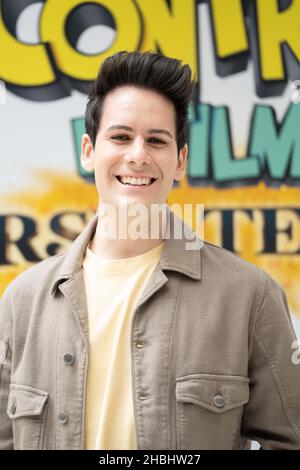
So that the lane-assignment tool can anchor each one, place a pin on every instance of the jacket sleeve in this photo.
(6, 435)
(272, 415)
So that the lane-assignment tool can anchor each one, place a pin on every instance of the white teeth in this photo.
(135, 181)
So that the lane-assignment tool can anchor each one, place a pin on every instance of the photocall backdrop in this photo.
(244, 132)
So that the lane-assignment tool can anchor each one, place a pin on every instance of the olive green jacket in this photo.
(211, 354)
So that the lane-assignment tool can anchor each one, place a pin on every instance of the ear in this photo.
(181, 163)
(87, 157)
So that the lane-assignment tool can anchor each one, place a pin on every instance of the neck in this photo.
(116, 239)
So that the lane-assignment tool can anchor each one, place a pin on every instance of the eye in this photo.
(155, 140)
(121, 137)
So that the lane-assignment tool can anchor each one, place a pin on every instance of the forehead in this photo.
(140, 107)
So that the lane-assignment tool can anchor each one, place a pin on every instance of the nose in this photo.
(137, 153)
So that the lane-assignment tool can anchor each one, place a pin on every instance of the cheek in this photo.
(169, 170)
(105, 163)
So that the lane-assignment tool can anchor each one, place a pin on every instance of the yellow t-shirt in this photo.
(113, 287)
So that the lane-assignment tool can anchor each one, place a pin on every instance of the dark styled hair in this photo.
(149, 70)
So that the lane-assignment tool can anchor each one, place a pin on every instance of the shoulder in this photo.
(232, 270)
(36, 278)
(237, 275)
(234, 278)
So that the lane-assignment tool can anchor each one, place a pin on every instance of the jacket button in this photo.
(62, 417)
(69, 359)
(140, 344)
(219, 401)
(142, 397)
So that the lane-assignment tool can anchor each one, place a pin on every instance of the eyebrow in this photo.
(149, 131)
(160, 131)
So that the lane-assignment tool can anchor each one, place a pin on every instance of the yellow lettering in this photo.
(74, 63)
(274, 28)
(174, 32)
(288, 223)
(229, 27)
(24, 65)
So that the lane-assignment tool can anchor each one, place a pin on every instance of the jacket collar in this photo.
(174, 257)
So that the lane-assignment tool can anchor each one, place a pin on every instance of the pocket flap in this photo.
(216, 393)
(25, 401)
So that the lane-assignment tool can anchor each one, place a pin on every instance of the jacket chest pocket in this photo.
(209, 410)
(27, 409)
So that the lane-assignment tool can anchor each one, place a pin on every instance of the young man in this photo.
(124, 343)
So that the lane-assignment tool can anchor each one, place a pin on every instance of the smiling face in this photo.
(136, 138)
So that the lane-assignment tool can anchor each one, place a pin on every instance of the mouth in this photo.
(135, 182)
